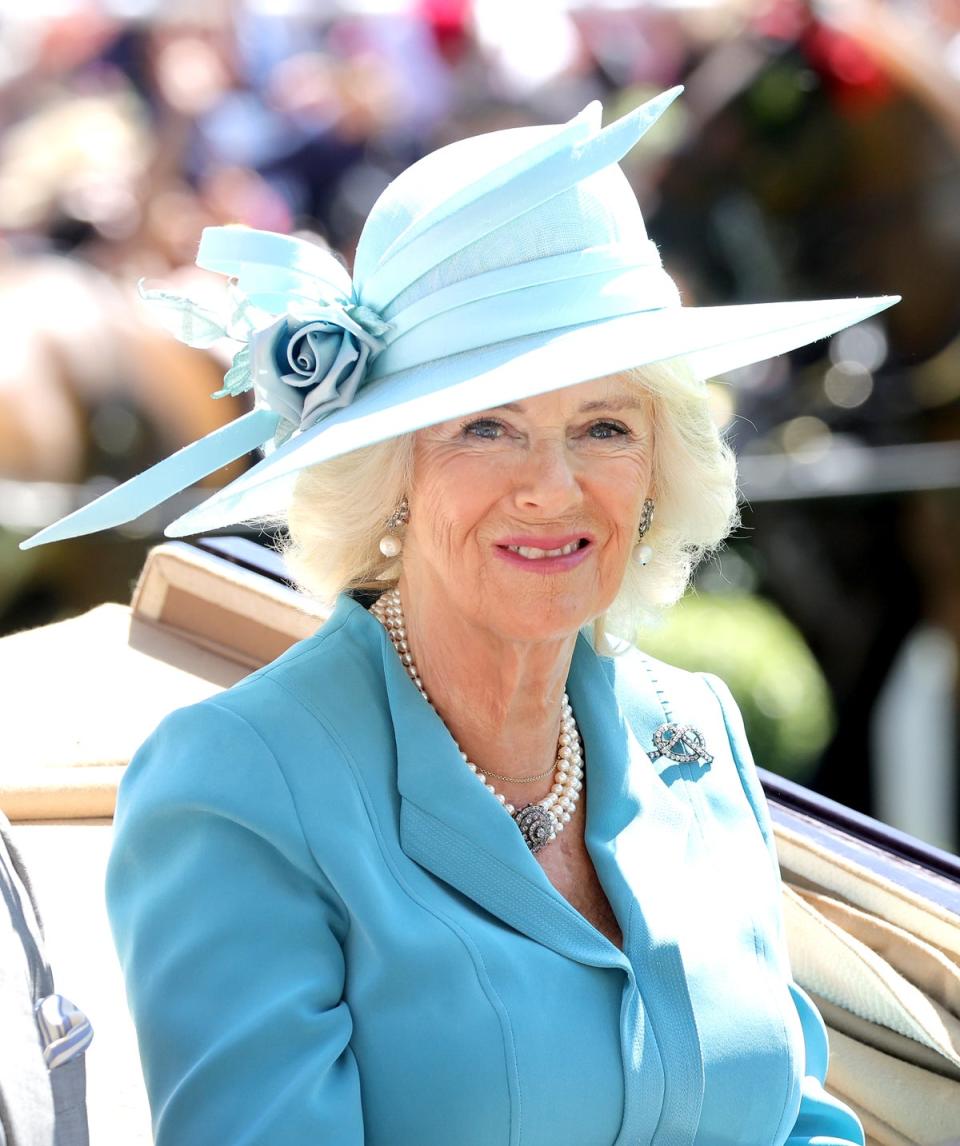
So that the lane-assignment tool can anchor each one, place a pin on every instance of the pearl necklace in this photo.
(541, 822)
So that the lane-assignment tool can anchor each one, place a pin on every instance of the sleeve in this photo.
(231, 941)
(822, 1119)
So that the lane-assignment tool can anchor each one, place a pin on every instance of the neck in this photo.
(501, 699)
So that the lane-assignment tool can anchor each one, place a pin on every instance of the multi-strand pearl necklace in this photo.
(541, 822)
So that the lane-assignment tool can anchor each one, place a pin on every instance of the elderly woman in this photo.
(460, 869)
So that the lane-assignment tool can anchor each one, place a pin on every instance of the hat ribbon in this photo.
(540, 295)
(301, 364)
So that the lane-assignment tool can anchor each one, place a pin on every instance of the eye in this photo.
(604, 430)
(488, 428)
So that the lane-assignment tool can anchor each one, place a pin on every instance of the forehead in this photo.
(599, 394)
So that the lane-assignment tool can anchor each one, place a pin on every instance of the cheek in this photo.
(433, 520)
(449, 499)
(623, 494)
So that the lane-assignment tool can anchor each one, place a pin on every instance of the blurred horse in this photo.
(88, 390)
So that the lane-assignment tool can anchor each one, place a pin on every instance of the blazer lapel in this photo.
(637, 830)
(453, 827)
(638, 833)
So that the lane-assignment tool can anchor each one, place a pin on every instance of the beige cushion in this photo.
(835, 963)
(899, 1104)
(883, 965)
(807, 863)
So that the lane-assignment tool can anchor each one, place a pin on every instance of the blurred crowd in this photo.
(816, 154)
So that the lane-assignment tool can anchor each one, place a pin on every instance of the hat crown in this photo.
(599, 210)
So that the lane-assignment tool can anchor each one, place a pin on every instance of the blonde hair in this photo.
(338, 509)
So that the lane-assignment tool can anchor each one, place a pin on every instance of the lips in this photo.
(548, 554)
(533, 553)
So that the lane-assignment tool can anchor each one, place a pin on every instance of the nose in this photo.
(547, 480)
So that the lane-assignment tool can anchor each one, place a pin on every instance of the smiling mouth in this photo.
(533, 554)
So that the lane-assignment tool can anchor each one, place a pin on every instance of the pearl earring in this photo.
(643, 552)
(391, 546)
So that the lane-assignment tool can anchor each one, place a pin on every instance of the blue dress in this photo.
(333, 934)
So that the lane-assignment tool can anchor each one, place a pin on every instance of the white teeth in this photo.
(532, 553)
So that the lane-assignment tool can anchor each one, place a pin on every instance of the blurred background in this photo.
(816, 154)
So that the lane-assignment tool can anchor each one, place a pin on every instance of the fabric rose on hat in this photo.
(304, 368)
(301, 366)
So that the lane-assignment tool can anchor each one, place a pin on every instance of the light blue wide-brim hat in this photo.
(494, 269)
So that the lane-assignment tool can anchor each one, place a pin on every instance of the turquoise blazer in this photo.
(332, 934)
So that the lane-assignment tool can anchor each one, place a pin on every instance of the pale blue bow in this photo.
(308, 346)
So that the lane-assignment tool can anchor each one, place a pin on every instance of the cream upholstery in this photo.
(89, 690)
(883, 965)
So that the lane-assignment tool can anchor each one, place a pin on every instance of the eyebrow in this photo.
(614, 402)
(618, 402)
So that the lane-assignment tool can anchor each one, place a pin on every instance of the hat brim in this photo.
(710, 340)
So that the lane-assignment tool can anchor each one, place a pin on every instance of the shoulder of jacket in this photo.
(257, 727)
(250, 717)
(630, 668)
(325, 671)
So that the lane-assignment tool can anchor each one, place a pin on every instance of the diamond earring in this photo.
(642, 551)
(391, 545)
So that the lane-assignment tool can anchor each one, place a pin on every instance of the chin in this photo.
(540, 619)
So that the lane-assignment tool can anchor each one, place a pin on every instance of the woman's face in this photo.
(523, 517)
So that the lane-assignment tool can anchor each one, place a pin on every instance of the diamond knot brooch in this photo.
(681, 743)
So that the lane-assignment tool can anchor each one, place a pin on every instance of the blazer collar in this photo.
(455, 829)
